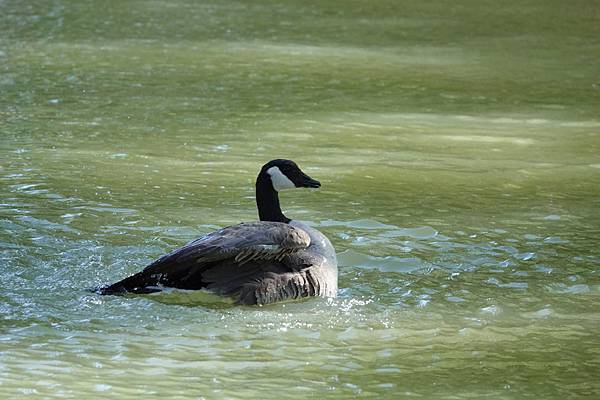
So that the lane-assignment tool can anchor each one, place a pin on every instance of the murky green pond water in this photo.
(459, 149)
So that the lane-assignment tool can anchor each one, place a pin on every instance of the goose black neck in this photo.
(267, 201)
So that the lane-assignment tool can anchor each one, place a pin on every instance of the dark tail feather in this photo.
(140, 283)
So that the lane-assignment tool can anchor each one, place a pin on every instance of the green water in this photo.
(458, 145)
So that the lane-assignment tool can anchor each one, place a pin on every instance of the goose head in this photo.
(285, 174)
(277, 175)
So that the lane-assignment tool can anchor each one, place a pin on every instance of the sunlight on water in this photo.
(458, 148)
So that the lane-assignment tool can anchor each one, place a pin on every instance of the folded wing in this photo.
(224, 260)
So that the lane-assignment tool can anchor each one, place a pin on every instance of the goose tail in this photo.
(139, 283)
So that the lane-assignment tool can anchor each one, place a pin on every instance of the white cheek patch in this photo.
(280, 181)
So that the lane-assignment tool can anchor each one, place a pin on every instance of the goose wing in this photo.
(249, 243)
(245, 242)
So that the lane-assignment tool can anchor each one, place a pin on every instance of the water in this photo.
(458, 148)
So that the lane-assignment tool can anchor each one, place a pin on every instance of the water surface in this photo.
(458, 147)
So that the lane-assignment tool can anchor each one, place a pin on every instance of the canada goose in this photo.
(258, 262)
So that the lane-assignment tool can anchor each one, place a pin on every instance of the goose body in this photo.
(259, 262)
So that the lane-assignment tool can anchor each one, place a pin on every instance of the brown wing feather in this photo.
(235, 245)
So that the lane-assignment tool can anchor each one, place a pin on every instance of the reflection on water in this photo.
(459, 166)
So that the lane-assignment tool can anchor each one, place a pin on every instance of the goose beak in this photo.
(309, 182)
